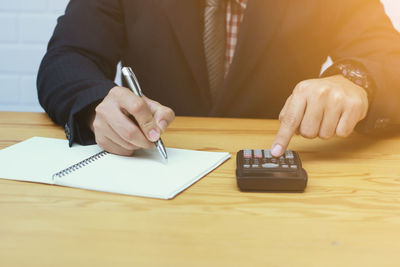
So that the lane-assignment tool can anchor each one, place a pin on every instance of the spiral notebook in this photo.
(51, 161)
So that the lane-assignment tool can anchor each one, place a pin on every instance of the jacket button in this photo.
(381, 123)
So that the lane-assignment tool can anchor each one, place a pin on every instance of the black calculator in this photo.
(258, 170)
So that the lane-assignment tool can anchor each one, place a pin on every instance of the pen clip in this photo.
(132, 81)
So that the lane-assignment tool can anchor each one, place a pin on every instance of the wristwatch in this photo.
(356, 74)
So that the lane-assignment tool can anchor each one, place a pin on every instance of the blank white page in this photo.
(145, 174)
(38, 158)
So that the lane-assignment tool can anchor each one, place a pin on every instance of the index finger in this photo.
(290, 121)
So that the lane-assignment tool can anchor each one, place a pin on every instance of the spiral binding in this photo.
(79, 165)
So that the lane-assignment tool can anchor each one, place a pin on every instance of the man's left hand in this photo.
(321, 108)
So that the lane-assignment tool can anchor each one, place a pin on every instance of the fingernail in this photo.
(277, 150)
(154, 135)
(163, 125)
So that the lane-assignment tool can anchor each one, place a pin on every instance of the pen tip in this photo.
(165, 156)
(161, 148)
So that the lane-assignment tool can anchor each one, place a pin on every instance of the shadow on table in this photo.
(341, 148)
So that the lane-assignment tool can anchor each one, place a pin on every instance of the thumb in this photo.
(163, 115)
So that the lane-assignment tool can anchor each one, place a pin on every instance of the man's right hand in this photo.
(117, 133)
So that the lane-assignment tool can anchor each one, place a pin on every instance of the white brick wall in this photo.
(26, 27)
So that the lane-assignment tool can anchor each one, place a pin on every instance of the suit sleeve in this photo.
(80, 64)
(363, 33)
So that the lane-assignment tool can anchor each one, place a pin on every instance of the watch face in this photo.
(353, 73)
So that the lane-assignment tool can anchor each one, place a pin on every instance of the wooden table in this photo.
(349, 214)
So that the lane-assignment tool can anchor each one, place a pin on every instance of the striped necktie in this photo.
(214, 43)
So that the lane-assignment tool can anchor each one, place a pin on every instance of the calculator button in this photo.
(270, 165)
(285, 166)
(257, 153)
(247, 153)
(289, 154)
(267, 153)
(293, 166)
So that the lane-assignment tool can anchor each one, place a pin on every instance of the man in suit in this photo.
(230, 58)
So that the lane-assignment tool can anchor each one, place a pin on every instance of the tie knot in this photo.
(213, 3)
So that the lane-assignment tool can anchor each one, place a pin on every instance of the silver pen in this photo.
(133, 84)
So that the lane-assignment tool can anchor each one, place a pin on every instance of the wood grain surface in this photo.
(349, 214)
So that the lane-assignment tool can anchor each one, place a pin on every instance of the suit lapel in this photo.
(261, 20)
(186, 21)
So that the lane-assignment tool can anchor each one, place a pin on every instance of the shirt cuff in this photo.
(77, 127)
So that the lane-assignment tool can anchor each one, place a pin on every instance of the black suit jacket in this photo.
(281, 43)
